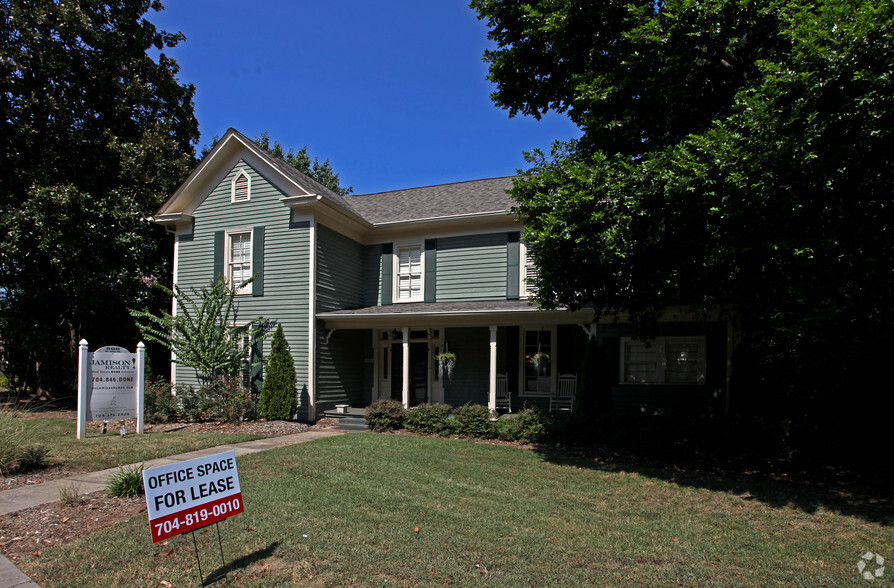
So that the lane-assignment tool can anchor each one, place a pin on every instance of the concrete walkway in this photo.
(27, 496)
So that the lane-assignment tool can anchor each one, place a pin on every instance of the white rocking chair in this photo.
(566, 392)
(504, 399)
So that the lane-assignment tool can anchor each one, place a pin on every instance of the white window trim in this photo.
(239, 173)
(552, 330)
(228, 248)
(525, 290)
(395, 286)
(659, 343)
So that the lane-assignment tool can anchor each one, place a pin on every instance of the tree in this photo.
(96, 134)
(204, 334)
(279, 398)
(735, 156)
(321, 172)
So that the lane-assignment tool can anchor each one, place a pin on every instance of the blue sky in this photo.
(392, 92)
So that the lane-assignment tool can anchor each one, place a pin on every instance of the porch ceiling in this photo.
(452, 314)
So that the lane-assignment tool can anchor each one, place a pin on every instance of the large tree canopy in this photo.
(96, 134)
(736, 155)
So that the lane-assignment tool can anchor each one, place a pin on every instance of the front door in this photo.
(418, 373)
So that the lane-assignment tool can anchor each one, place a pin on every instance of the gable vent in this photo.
(241, 188)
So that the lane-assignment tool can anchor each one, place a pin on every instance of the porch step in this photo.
(352, 420)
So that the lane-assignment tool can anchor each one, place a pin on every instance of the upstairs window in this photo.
(409, 273)
(665, 360)
(239, 259)
(240, 189)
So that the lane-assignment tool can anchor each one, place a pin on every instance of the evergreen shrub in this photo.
(528, 426)
(385, 415)
(473, 420)
(279, 399)
(429, 419)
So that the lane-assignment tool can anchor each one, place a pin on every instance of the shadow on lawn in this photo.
(241, 563)
(775, 484)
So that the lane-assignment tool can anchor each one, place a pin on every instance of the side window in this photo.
(238, 259)
(665, 360)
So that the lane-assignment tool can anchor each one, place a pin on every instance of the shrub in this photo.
(127, 481)
(429, 419)
(385, 415)
(279, 399)
(527, 426)
(472, 420)
(228, 400)
(159, 403)
(194, 406)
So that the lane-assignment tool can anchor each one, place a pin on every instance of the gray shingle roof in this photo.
(471, 197)
(305, 181)
(445, 200)
(426, 308)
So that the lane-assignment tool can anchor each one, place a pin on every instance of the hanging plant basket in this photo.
(539, 361)
(446, 362)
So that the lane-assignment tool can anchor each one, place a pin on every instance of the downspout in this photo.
(312, 323)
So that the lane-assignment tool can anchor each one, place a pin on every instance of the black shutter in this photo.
(218, 254)
(257, 261)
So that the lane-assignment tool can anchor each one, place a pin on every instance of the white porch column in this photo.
(492, 376)
(405, 383)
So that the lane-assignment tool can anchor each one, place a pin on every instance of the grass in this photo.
(97, 451)
(371, 510)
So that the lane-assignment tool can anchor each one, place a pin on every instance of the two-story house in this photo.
(370, 288)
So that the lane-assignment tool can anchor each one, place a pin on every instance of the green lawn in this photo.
(98, 451)
(345, 511)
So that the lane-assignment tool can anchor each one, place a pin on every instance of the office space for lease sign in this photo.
(185, 496)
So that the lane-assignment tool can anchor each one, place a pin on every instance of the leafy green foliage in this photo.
(527, 426)
(429, 419)
(221, 399)
(735, 158)
(385, 415)
(96, 135)
(279, 398)
(472, 420)
(203, 334)
(159, 402)
(127, 481)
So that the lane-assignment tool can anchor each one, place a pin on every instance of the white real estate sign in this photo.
(185, 496)
(110, 385)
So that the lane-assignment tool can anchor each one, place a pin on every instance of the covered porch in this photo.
(493, 341)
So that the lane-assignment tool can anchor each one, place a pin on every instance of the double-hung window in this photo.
(409, 273)
(664, 360)
(239, 259)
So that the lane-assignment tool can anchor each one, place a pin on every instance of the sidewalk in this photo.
(27, 496)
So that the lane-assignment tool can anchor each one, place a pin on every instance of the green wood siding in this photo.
(286, 264)
(339, 271)
(472, 268)
(340, 362)
(340, 265)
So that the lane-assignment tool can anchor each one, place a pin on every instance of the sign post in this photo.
(110, 385)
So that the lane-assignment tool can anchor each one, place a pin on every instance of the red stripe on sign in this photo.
(196, 517)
